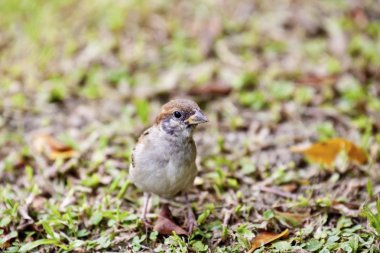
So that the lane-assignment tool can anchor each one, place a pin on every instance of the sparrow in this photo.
(163, 159)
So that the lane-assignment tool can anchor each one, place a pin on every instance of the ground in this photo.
(269, 75)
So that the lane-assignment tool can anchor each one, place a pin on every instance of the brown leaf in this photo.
(165, 212)
(265, 238)
(165, 224)
(291, 219)
(291, 187)
(325, 152)
(213, 89)
(52, 148)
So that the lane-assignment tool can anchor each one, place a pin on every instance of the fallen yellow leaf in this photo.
(265, 238)
(52, 148)
(325, 152)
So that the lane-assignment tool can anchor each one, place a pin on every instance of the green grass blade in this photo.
(31, 245)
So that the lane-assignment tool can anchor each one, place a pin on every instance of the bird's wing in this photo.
(141, 138)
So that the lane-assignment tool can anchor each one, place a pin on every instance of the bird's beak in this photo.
(197, 118)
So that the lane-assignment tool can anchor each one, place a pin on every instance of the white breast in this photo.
(162, 164)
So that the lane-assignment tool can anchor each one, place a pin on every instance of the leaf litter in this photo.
(274, 74)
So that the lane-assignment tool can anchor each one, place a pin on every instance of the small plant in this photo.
(373, 218)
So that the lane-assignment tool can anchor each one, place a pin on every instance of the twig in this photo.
(276, 192)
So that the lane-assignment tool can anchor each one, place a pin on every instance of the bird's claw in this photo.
(191, 225)
(191, 221)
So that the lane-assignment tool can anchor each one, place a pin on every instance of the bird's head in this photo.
(179, 117)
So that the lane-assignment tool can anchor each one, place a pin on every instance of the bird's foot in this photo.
(192, 224)
(191, 221)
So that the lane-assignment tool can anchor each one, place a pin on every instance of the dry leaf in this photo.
(165, 212)
(52, 148)
(291, 219)
(265, 238)
(165, 224)
(291, 187)
(211, 89)
(325, 152)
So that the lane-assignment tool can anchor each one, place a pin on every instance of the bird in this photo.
(163, 159)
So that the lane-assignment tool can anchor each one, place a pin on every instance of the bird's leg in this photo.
(191, 221)
(145, 207)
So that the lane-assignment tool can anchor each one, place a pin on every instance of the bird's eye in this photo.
(177, 114)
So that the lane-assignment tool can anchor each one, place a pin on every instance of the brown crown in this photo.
(183, 105)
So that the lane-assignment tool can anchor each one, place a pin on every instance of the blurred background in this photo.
(269, 75)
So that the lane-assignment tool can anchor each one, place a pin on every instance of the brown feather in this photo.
(182, 105)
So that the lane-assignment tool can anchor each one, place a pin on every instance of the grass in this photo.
(93, 75)
(373, 217)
